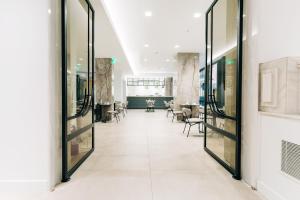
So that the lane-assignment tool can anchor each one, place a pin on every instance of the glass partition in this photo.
(78, 84)
(223, 83)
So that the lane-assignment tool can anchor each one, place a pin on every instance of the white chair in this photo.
(120, 109)
(167, 105)
(150, 105)
(113, 114)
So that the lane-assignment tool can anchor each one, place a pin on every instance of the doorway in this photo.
(224, 22)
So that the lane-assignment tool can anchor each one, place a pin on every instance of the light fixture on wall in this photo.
(197, 15)
(148, 13)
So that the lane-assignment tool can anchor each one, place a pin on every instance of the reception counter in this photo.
(139, 102)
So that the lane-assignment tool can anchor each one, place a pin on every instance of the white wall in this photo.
(27, 75)
(119, 92)
(272, 32)
(272, 182)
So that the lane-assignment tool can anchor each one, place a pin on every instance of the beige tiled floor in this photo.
(146, 157)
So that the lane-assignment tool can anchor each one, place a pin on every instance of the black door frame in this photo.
(66, 174)
(237, 138)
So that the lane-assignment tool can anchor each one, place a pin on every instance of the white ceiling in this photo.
(172, 23)
(107, 44)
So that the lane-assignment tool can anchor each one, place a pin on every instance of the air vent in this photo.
(290, 159)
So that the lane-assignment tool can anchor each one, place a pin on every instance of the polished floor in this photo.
(147, 157)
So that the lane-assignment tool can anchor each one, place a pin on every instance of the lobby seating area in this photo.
(150, 100)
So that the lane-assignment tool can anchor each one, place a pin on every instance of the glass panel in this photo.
(78, 147)
(224, 46)
(77, 55)
(222, 123)
(208, 49)
(222, 81)
(208, 38)
(79, 122)
(202, 87)
(91, 50)
(222, 146)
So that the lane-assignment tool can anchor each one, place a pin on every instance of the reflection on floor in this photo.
(146, 157)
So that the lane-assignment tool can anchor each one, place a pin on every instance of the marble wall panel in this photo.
(103, 80)
(188, 79)
(169, 86)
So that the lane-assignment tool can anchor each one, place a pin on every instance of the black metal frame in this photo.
(66, 174)
(237, 138)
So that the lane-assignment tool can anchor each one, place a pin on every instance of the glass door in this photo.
(223, 81)
(77, 84)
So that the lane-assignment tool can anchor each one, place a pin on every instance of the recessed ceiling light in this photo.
(145, 60)
(197, 15)
(49, 11)
(148, 13)
(167, 60)
(176, 46)
(146, 45)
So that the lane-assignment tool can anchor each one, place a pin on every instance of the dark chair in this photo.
(187, 114)
(150, 105)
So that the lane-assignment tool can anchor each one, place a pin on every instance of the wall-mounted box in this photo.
(279, 86)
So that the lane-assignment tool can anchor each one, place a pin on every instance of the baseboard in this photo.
(24, 186)
(267, 192)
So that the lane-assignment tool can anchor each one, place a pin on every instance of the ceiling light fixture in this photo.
(176, 46)
(197, 15)
(167, 60)
(146, 45)
(148, 14)
(145, 60)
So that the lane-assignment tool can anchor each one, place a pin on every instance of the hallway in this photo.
(145, 157)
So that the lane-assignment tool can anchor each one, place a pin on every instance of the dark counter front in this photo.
(139, 102)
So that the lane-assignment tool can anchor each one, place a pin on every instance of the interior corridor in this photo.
(145, 157)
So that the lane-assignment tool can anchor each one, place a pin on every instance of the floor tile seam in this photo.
(149, 164)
